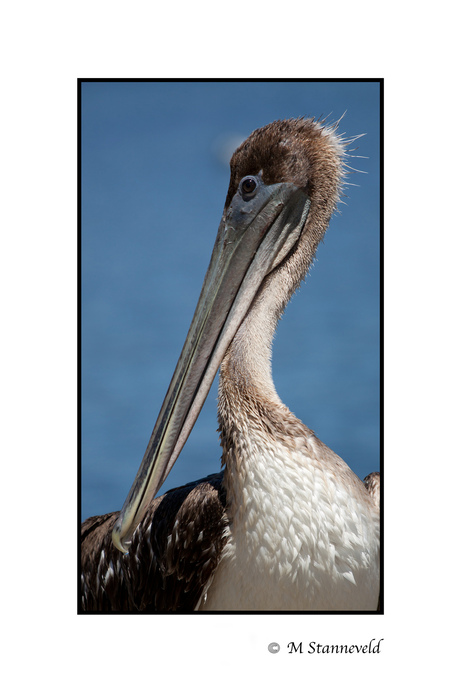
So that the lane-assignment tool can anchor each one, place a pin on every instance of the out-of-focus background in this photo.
(154, 179)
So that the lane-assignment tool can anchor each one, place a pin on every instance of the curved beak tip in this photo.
(118, 541)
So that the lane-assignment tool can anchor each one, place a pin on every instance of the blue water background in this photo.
(154, 180)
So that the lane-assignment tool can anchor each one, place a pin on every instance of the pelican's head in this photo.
(304, 152)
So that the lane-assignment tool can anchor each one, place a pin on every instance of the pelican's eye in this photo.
(248, 186)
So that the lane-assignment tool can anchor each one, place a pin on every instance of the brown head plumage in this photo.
(302, 151)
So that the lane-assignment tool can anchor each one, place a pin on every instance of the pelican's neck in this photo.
(246, 371)
(252, 419)
(247, 400)
(259, 435)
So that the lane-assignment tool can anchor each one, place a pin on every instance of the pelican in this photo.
(287, 525)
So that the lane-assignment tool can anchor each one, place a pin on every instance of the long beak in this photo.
(254, 236)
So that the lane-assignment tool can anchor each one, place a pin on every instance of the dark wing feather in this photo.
(173, 554)
(372, 484)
